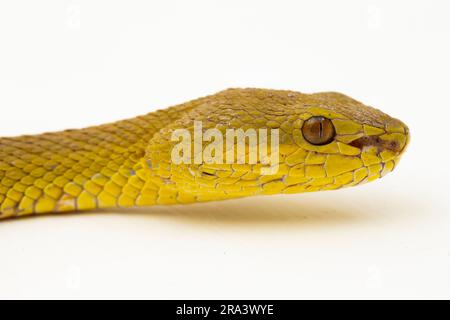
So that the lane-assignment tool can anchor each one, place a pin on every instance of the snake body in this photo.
(128, 163)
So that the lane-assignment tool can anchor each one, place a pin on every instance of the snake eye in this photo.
(318, 130)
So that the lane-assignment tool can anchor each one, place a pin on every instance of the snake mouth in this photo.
(406, 144)
(381, 154)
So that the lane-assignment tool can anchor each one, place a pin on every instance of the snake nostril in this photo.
(393, 145)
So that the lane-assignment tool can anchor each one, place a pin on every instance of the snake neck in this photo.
(77, 169)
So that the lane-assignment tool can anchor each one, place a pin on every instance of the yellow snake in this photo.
(326, 141)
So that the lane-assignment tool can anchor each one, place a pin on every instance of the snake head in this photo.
(325, 141)
(342, 142)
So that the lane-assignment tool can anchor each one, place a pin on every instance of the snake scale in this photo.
(326, 141)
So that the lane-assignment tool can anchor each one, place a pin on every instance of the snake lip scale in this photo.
(326, 141)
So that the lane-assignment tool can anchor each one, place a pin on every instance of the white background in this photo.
(70, 64)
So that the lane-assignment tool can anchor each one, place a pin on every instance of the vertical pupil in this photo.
(318, 130)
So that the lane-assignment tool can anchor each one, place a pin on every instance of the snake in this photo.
(327, 141)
